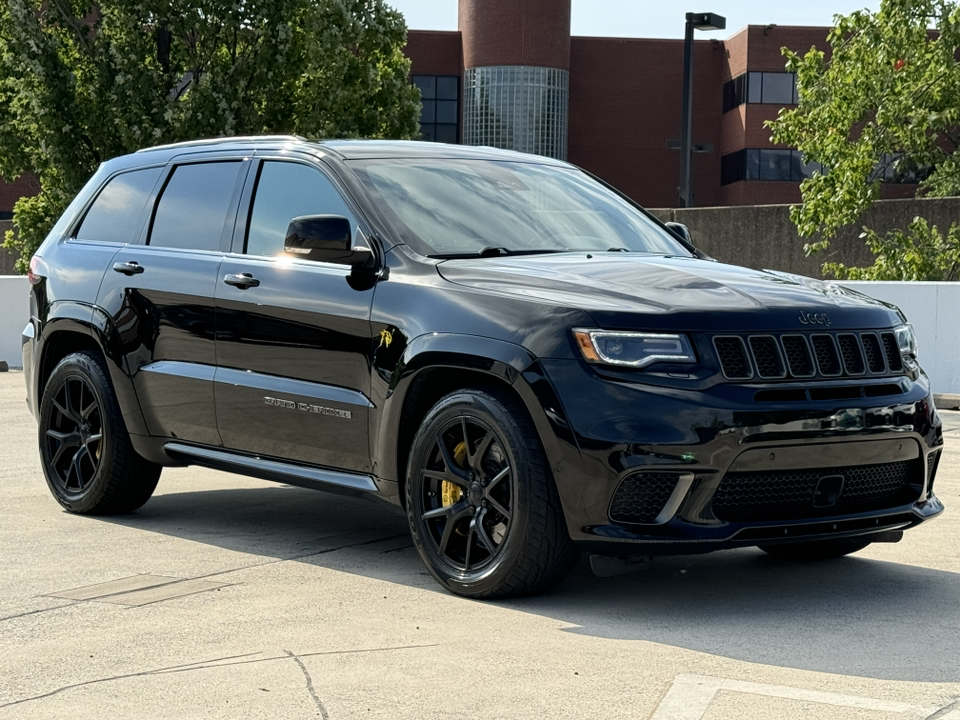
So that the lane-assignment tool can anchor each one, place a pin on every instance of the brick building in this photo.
(512, 76)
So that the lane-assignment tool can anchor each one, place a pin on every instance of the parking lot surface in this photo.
(228, 597)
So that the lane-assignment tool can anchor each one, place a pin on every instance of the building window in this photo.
(440, 114)
(767, 88)
(788, 165)
(766, 164)
(895, 168)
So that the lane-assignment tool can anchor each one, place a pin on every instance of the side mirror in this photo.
(325, 238)
(681, 231)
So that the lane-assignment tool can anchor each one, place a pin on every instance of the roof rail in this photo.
(225, 139)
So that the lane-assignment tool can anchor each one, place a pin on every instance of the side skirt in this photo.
(302, 476)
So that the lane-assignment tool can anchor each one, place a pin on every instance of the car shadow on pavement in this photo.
(853, 616)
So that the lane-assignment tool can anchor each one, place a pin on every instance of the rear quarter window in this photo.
(115, 214)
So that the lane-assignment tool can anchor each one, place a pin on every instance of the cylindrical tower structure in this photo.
(516, 80)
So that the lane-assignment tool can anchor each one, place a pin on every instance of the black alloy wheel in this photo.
(74, 435)
(88, 460)
(483, 510)
(466, 494)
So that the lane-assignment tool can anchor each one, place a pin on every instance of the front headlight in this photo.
(906, 340)
(633, 349)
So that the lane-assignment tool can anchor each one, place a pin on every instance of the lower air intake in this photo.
(641, 497)
(791, 494)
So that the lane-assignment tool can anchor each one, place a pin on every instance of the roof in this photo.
(350, 149)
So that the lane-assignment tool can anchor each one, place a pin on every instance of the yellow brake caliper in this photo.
(449, 492)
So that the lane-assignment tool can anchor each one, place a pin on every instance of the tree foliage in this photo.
(83, 81)
(885, 98)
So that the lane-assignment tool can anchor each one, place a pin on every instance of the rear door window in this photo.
(286, 190)
(115, 214)
(193, 208)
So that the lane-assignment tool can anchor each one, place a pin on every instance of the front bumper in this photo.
(721, 446)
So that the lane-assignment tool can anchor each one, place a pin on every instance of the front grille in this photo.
(851, 353)
(790, 494)
(874, 353)
(733, 357)
(892, 352)
(766, 355)
(641, 497)
(799, 360)
(808, 355)
(828, 361)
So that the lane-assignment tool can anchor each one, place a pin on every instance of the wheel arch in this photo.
(76, 328)
(438, 364)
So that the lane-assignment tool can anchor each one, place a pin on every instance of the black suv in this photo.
(521, 357)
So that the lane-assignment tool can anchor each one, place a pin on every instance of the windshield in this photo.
(453, 207)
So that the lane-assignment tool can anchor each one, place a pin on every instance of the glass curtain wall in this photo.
(517, 108)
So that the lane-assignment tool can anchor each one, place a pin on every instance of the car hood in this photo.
(642, 291)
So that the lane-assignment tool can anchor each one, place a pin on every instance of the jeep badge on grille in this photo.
(814, 318)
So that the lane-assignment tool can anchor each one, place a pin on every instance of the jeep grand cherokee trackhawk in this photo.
(526, 361)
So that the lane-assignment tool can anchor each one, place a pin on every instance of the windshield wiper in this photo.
(493, 252)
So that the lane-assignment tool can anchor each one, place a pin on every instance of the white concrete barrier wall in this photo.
(931, 307)
(14, 314)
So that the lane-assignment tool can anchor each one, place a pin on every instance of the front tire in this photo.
(815, 551)
(483, 510)
(89, 463)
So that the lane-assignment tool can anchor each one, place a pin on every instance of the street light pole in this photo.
(699, 21)
(686, 132)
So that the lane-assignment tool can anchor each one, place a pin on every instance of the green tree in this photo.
(82, 81)
(886, 98)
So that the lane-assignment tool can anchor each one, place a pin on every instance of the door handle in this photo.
(241, 280)
(128, 268)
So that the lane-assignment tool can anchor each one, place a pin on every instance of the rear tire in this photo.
(483, 510)
(87, 457)
(816, 551)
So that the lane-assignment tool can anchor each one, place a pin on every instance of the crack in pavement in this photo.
(945, 710)
(37, 612)
(214, 663)
(190, 666)
(310, 688)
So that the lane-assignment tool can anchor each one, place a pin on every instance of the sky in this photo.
(646, 19)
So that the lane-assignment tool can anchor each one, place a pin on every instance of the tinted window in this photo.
(756, 164)
(114, 215)
(778, 88)
(771, 88)
(755, 87)
(753, 164)
(193, 206)
(775, 164)
(284, 191)
(440, 109)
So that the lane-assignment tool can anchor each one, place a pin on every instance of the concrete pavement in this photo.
(235, 598)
